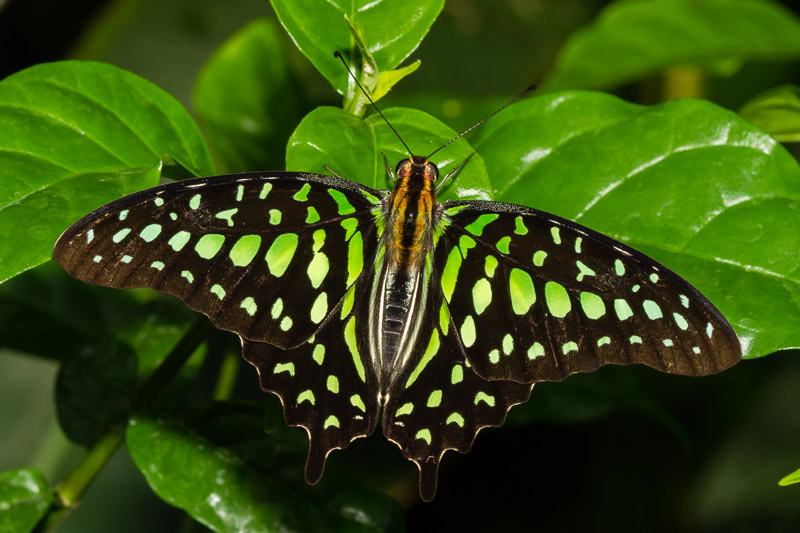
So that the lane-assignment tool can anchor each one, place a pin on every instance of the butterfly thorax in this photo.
(399, 292)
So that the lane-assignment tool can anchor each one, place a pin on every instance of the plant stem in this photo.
(70, 491)
(228, 371)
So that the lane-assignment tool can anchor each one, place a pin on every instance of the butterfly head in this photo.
(417, 166)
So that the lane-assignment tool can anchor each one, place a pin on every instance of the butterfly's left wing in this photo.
(439, 403)
(535, 297)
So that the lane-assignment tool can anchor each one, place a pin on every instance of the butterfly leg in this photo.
(389, 168)
(454, 171)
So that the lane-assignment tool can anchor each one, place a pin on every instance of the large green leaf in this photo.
(247, 101)
(687, 182)
(221, 468)
(631, 40)
(25, 497)
(392, 29)
(67, 128)
(353, 148)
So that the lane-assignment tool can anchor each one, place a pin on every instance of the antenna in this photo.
(339, 55)
(520, 95)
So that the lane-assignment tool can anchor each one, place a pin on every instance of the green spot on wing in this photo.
(652, 310)
(218, 291)
(344, 206)
(306, 396)
(150, 233)
(179, 240)
(520, 286)
(450, 273)
(622, 309)
(350, 340)
(468, 331)
(356, 401)
(302, 194)
(405, 409)
(435, 399)
(280, 253)
(520, 228)
(275, 216)
(456, 375)
(249, 305)
(245, 250)
(481, 295)
(430, 351)
(320, 308)
(503, 244)
(331, 421)
(333, 384)
(424, 434)
(476, 227)
(557, 298)
(227, 215)
(284, 367)
(355, 257)
(486, 398)
(592, 305)
(318, 354)
(312, 215)
(208, 245)
(121, 234)
(455, 418)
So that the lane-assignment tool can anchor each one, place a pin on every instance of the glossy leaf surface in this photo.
(631, 40)
(353, 148)
(226, 473)
(24, 498)
(392, 29)
(66, 125)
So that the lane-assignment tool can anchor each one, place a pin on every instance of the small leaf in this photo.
(25, 497)
(791, 479)
(632, 40)
(388, 79)
(61, 123)
(352, 148)
(777, 112)
(246, 99)
(229, 476)
(392, 28)
(689, 183)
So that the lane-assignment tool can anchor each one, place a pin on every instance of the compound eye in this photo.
(403, 169)
(431, 172)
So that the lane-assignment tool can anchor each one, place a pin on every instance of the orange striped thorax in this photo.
(412, 204)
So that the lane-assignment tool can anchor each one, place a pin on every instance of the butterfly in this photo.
(350, 300)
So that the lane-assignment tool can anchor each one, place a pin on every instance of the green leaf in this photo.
(64, 123)
(791, 479)
(777, 112)
(689, 183)
(632, 40)
(352, 148)
(392, 28)
(223, 471)
(25, 497)
(247, 101)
